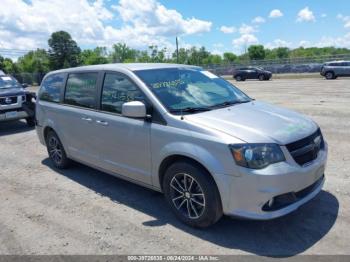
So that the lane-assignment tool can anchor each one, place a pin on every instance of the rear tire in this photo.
(56, 151)
(330, 75)
(192, 194)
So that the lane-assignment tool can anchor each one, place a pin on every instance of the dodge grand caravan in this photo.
(183, 131)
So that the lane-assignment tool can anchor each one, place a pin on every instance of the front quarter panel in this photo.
(187, 140)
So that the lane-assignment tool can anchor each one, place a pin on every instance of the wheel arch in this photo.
(171, 159)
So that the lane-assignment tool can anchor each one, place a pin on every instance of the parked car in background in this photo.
(186, 132)
(15, 102)
(332, 70)
(241, 74)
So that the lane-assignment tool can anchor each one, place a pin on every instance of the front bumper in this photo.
(248, 194)
(19, 115)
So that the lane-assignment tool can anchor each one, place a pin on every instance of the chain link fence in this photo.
(280, 66)
(276, 66)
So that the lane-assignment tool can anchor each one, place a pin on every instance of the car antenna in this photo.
(182, 114)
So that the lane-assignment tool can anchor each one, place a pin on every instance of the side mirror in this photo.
(24, 85)
(134, 109)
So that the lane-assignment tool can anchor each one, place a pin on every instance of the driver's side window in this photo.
(118, 89)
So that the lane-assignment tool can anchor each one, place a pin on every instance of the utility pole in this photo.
(177, 50)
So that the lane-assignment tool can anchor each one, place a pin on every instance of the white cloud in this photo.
(28, 24)
(149, 16)
(228, 29)
(218, 45)
(304, 43)
(258, 20)
(326, 41)
(345, 19)
(278, 43)
(306, 15)
(275, 13)
(245, 40)
(246, 29)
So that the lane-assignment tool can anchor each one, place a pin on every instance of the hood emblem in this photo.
(8, 100)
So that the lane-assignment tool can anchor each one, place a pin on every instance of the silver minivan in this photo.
(183, 131)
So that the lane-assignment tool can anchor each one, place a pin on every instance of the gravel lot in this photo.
(84, 211)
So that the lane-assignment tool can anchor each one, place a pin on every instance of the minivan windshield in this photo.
(8, 82)
(183, 90)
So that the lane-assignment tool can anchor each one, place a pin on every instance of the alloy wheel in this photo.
(55, 150)
(187, 195)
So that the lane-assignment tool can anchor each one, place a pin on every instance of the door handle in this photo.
(101, 122)
(87, 119)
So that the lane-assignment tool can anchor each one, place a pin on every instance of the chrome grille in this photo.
(8, 100)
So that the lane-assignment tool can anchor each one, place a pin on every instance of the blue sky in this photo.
(220, 26)
(286, 28)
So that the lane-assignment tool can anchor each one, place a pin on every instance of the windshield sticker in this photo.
(209, 74)
(172, 84)
(6, 78)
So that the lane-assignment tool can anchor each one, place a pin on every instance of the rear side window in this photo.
(51, 88)
(117, 90)
(81, 90)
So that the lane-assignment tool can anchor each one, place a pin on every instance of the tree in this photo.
(35, 64)
(9, 66)
(256, 52)
(282, 52)
(213, 59)
(229, 57)
(64, 51)
(94, 57)
(156, 55)
(122, 53)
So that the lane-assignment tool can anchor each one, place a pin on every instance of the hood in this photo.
(257, 122)
(11, 91)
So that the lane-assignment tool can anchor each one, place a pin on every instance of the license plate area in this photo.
(11, 114)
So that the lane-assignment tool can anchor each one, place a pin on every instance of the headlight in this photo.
(256, 156)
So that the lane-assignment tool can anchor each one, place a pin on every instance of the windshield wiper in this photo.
(229, 103)
(190, 110)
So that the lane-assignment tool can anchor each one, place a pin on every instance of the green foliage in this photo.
(34, 62)
(8, 66)
(213, 59)
(64, 51)
(121, 53)
(256, 52)
(94, 57)
(229, 57)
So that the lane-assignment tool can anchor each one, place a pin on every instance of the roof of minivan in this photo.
(128, 66)
(337, 61)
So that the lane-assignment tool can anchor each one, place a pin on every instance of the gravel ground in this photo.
(84, 211)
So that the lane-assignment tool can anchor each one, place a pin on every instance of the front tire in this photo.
(56, 151)
(330, 75)
(239, 78)
(261, 77)
(192, 194)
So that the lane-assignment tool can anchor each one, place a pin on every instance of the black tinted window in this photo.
(81, 90)
(117, 90)
(51, 88)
